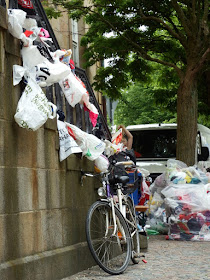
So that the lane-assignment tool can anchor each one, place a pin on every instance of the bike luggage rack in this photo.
(141, 208)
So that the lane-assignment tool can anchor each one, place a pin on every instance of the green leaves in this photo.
(154, 41)
(138, 106)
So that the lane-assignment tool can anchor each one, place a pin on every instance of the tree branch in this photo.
(204, 20)
(182, 17)
(148, 57)
(194, 18)
(201, 61)
(167, 27)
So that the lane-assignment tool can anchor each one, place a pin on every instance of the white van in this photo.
(154, 144)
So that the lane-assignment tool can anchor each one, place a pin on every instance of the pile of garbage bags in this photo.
(179, 203)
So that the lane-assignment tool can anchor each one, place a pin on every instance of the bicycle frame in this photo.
(119, 201)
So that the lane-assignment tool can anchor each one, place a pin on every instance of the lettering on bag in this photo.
(66, 84)
(45, 70)
(98, 146)
(24, 125)
(63, 135)
(42, 103)
(28, 89)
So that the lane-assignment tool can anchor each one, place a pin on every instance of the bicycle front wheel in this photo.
(109, 242)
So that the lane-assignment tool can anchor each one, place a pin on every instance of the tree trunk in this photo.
(187, 103)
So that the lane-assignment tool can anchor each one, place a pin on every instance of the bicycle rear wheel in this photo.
(132, 224)
(111, 250)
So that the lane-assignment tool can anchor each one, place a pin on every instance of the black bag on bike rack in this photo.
(117, 171)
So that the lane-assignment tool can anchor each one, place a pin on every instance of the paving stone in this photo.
(166, 260)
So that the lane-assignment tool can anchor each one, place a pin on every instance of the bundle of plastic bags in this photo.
(181, 197)
(43, 65)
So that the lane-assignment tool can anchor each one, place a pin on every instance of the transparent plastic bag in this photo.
(188, 197)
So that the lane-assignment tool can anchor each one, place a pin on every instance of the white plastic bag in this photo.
(31, 56)
(18, 73)
(68, 145)
(48, 73)
(72, 89)
(91, 146)
(33, 108)
(102, 163)
(16, 18)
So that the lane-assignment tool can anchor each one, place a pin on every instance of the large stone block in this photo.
(9, 190)
(12, 46)
(9, 94)
(30, 147)
(51, 154)
(55, 189)
(51, 229)
(23, 240)
(2, 238)
(3, 18)
(21, 147)
(29, 189)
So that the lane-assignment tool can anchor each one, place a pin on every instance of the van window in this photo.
(154, 143)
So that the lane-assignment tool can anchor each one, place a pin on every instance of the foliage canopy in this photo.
(133, 32)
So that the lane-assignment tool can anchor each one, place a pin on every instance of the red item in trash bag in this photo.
(28, 33)
(71, 133)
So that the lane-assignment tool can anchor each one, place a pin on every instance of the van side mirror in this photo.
(203, 156)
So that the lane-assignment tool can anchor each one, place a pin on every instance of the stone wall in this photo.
(42, 203)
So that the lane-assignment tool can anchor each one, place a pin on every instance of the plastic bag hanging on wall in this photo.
(91, 146)
(33, 108)
(68, 145)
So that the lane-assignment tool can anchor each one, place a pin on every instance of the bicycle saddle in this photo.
(121, 179)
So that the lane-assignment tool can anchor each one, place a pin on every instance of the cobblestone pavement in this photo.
(171, 260)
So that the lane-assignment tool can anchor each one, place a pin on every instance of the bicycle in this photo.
(111, 224)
